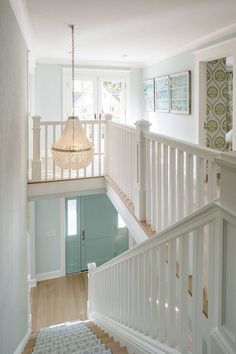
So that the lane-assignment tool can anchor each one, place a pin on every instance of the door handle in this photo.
(83, 235)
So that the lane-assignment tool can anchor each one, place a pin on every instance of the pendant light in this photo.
(73, 150)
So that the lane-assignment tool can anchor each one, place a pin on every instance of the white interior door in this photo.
(85, 96)
(96, 93)
(112, 97)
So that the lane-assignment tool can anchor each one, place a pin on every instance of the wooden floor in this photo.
(59, 300)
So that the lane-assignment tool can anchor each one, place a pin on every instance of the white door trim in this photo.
(223, 49)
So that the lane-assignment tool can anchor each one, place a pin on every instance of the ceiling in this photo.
(128, 31)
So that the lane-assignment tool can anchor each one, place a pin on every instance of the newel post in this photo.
(142, 126)
(36, 162)
(91, 269)
(108, 119)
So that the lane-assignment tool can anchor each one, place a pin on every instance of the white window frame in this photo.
(97, 76)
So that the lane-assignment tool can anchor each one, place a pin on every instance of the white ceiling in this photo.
(144, 30)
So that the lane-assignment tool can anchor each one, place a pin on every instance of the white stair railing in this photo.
(45, 133)
(164, 288)
(175, 292)
(180, 177)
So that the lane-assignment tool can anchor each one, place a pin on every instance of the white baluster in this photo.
(153, 304)
(53, 162)
(148, 181)
(183, 292)
(165, 185)
(140, 169)
(36, 162)
(212, 180)
(159, 188)
(46, 152)
(200, 181)
(171, 313)
(189, 183)
(197, 290)
(161, 324)
(172, 184)
(153, 188)
(180, 183)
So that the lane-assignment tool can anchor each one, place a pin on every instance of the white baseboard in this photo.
(23, 342)
(135, 342)
(49, 275)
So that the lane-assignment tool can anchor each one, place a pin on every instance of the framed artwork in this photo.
(148, 95)
(180, 93)
(162, 94)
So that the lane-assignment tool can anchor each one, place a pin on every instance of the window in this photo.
(71, 217)
(96, 93)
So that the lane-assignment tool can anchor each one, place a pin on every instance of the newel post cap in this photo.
(92, 267)
(108, 116)
(143, 124)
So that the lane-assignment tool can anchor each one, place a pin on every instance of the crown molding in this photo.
(22, 16)
(90, 63)
(194, 45)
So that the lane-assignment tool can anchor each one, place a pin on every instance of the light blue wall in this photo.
(49, 92)
(175, 125)
(13, 182)
(47, 235)
(49, 104)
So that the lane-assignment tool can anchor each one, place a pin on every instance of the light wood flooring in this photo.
(59, 300)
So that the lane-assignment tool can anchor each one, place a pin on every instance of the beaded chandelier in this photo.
(73, 150)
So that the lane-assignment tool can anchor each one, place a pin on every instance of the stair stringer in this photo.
(135, 342)
(131, 222)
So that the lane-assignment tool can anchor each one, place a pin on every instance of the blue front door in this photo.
(91, 231)
(98, 226)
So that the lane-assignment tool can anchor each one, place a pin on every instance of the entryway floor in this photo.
(59, 300)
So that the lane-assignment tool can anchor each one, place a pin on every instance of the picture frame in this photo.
(162, 94)
(148, 95)
(180, 93)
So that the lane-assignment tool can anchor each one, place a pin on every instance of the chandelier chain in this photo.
(73, 70)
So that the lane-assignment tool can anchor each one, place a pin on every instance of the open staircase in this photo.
(76, 337)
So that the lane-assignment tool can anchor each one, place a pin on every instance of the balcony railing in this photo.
(164, 179)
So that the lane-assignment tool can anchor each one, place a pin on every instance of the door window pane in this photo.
(84, 99)
(112, 98)
(72, 217)
(121, 222)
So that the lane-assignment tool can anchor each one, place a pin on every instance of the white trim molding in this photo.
(50, 275)
(134, 341)
(20, 10)
(193, 45)
(223, 49)
(23, 343)
(131, 222)
(62, 237)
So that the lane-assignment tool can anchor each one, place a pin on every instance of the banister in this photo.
(194, 149)
(63, 122)
(126, 127)
(201, 216)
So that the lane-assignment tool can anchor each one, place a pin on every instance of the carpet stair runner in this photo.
(73, 338)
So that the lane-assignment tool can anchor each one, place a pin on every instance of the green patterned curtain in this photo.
(218, 112)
